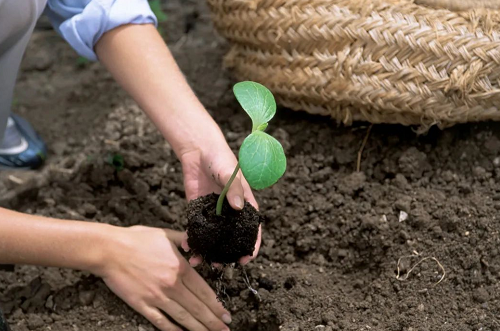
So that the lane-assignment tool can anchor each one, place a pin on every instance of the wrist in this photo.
(105, 239)
(191, 135)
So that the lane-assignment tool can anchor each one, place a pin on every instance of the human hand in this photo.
(205, 172)
(144, 268)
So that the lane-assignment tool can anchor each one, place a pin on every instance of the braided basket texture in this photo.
(413, 62)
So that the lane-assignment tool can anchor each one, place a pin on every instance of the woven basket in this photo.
(423, 62)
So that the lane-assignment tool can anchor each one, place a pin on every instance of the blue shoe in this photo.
(21, 147)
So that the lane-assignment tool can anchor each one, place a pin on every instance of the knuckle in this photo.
(159, 321)
(172, 279)
(168, 282)
(205, 295)
(182, 316)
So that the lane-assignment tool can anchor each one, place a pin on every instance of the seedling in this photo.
(81, 62)
(261, 157)
(161, 16)
(116, 161)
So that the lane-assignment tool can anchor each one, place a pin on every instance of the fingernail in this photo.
(227, 318)
(238, 202)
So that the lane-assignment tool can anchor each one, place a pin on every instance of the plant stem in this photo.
(218, 211)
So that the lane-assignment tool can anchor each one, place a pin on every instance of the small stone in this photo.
(263, 294)
(481, 295)
(40, 60)
(289, 258)
(447, 176)
(266, 283)
(342, 252)
(86, 297)
(421, 307)
(59, 147)
(228, 273)
(232, 135)
(400, 181)
(437, 229)
(140, 187)
(49, 304)
(403, 216)
(89, 210)
(34, 321)
(479, 172)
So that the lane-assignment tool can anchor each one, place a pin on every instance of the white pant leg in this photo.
(17, 21)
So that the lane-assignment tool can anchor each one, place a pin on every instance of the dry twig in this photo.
(360, 152)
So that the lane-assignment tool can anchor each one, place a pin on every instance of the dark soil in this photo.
(332, 237)
(221, 239)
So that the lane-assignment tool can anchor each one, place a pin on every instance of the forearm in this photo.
(36, 240)
(139, 60)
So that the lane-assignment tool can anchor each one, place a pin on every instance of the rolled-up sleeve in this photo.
(83, 22)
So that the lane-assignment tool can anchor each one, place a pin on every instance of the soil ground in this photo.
(332, 236)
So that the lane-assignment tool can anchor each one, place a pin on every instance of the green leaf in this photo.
(157, 10)
(117, 161)
(82, 61)
(262, 160)
(257, 101)
(262, 127)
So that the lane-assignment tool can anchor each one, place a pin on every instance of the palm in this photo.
(199, 179)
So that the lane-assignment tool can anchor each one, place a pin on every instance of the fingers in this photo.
(195, 260)
(195, 283)
(183, 317)
(184, 243)
(246, 259)
(235, 195)
(158, 319)
(176, 237)
(199, 310)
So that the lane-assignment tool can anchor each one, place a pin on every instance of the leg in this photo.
(9, 66)
(17, 21)
(20, 147)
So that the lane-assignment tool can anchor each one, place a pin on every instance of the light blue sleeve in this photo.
(83, 22)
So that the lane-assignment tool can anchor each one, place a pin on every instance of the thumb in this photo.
(236, 195)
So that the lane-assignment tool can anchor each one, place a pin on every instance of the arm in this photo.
(26, 239)
(141, 265)
(139, 60)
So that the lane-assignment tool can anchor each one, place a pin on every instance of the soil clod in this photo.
(225, 238)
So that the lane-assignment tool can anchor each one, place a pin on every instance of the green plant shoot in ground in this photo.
(161, 16)
(261, 157)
